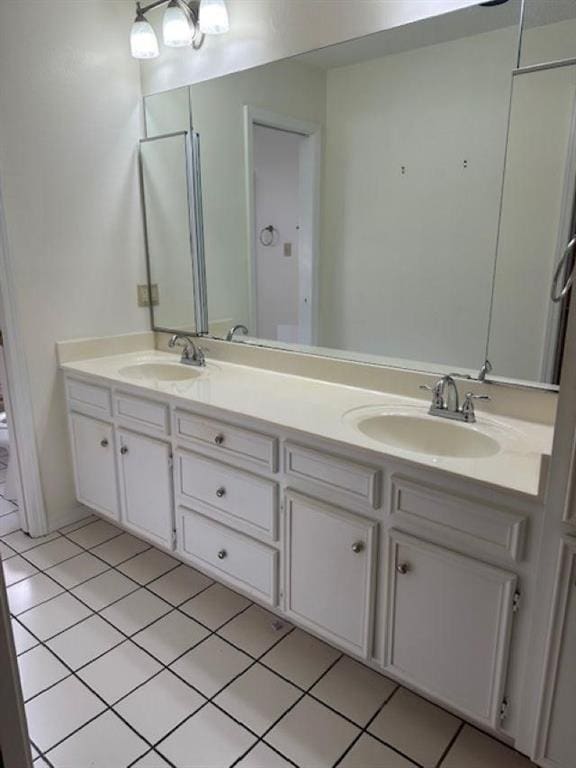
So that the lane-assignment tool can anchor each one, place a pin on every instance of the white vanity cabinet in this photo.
(93, 452)
(330, 566)
(145, 471)
(448, 623)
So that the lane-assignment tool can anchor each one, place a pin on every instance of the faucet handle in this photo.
(427, 387)
(471, 396)
(437, 393)
(468, 405)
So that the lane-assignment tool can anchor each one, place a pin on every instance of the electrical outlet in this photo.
(145, 293)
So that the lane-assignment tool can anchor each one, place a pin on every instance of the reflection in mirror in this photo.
(548, 31)
(527, 327)
(163, 165)
(167, 112)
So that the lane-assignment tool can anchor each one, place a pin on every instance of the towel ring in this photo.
(555, 294)
(268, 235)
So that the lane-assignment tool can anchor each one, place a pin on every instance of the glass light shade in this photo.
(143, 41)
(176, 28)
(213, 17)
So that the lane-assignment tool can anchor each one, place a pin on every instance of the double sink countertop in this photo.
(339, 412)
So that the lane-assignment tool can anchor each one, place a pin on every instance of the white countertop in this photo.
(323, 409)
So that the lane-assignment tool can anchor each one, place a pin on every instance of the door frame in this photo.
(32, 509)
(309, 209)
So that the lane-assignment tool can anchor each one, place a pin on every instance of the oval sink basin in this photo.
(426, 435)
(160, 372)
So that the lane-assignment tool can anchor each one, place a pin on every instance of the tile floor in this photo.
(9, 518)
(130, 658)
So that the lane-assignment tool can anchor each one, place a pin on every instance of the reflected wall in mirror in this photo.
(365, 200)
(164, 163)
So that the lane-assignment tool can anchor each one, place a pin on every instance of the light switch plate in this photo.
(144, 295)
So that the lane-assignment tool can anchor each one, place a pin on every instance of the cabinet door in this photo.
(330, 557)
(146, 481)
(449, 622)
(94, 466)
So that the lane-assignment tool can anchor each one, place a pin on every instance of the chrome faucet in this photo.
(446, 401)
(232, 331)
(191, 354)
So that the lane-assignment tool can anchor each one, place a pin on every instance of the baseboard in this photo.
(71, 516)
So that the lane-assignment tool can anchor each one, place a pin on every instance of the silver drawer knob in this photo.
(124, 450)
(220, 492)
(357, 547)
(403, 568)
(104, 443)
(222, 554)
(219, 439)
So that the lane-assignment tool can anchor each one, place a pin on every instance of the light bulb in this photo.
(213, 17)
(143, 41)
(176, 27)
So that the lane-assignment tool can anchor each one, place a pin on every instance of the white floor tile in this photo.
(104, 743)
(85, 641)
(56, 615)
(218, 741)
(119, 671)
(301, 658)
(7, 507)
(104, 589)
(78, 524)
(258, 698)
(354, 690)
(21, 542)
(54, 714)
(120, 548)
(415, 727)
(180, 584)
(151, 759)
(211, 665)
(215, 606)
(135, 611)
(40, 763)
(23, 640)
(369, 753)
(52, 553)
(312, 735)
(30, 592)
(255, 630)
(96, 533)
(170, 636)
(16, 569)
(72, 572)
(141, 709)
(474, 749)
(39, 669)
(262, 756)
(148, 566)
(6, 551)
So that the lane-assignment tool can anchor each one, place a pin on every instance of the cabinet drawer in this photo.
(246, 501)
(350, 480)
(460, 521)
(261, 450)
(244, 562)
(88, 398)
(144, 414)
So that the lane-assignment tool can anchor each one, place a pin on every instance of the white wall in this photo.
(407, 259)
(267, 30)
(69, 127)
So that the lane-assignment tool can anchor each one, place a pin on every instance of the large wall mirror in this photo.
(403, 198)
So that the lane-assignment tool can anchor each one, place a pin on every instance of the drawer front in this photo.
(143, 414)
(227, 554)
(350, 480)
(459, 521)
(261, 450)
(88, 398)
(244, 500)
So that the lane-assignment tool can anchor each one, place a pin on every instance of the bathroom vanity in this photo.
(421, 565)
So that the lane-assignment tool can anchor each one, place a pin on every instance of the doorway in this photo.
(282, 176)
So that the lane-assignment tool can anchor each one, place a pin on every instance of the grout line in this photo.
(451, 743)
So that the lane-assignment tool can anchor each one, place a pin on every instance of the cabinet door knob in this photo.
(403, 568)
(220, 492)
(222, 554)
(219, 439)
(357, 547)
(104, 442)
(124, 450)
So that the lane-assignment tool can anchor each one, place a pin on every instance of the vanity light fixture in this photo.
(185, 23)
